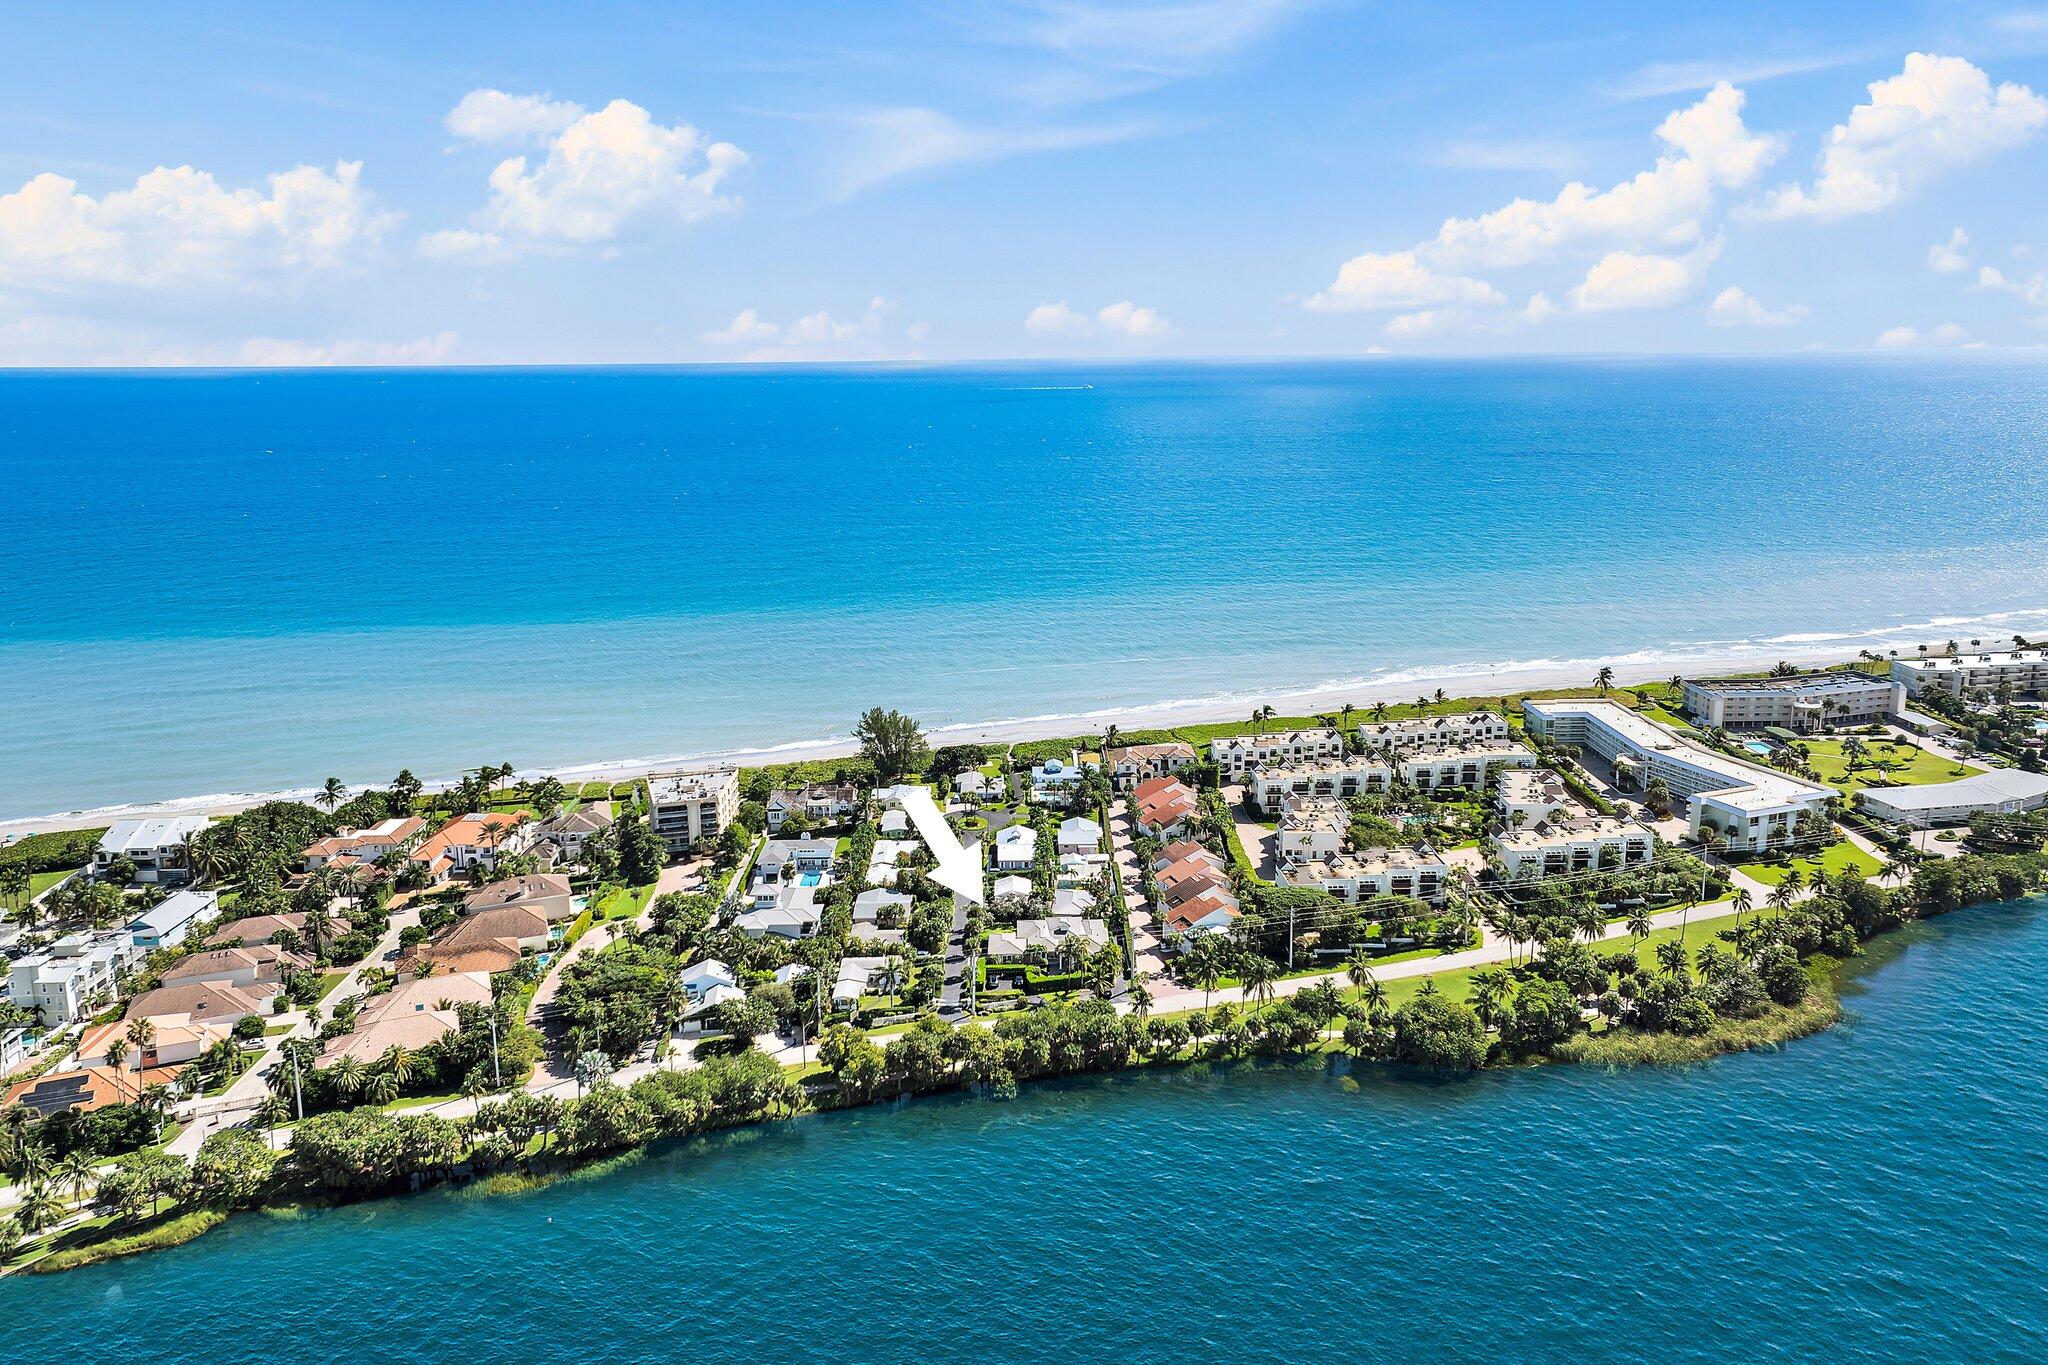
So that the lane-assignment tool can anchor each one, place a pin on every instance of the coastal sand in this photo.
(1394, 689)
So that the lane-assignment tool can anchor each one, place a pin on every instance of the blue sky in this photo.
(515, 183)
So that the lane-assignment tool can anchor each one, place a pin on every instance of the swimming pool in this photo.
(811, 879)
(1757, 746)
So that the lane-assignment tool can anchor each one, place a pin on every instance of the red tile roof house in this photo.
(1165, 806)
(1212, 912)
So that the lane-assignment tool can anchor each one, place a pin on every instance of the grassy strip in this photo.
(168, 1230)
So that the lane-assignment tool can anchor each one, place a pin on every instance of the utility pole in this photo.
(497, 1081)
(298, 1096)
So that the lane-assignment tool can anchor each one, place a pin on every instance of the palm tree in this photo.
(1489, 992)
(1639, 924)
(1604, 679)
(332, 794)
(117, 1048)
(1379, 711)
(142, 1034)
(1671, 956)
(1359, 969)
(77, 1171)
(397, 1062)
(349, 1075)
(1259, 975)
(1205, 972)
(381, 1088)
(39, 1208)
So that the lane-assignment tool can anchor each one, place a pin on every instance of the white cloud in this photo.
(1733, 307)
(1422, 323)
(494, 116)
(1539, 308)
(1128, 319)
(815, 336)
(1057, 320)
(1936, 114)
(1947, 334)
(894, 143)
(1947, 257)
(2032, 291)
(600, 170)
(1623, 280)
(1123, 319)
(275, 353)
(1706, 149)
(1397, 279)
(179, 227)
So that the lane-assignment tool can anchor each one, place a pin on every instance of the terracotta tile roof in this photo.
(196, 1000)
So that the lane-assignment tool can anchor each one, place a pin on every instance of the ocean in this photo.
(1878, 1192)
(249, 581)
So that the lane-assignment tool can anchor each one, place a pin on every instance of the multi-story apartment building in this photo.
(1754, 807)
(691, 809)
(1241, 752)
(1578, 844)
(1466, 727)
(1359, 877)
(1312, 829)
(1472, 764)
(1273, 787)
(2025, 670)
(1805, 702)
(1529, 796)
(72, 975)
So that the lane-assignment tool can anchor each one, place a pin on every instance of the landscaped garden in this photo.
(1834, 860)
(1855, 762)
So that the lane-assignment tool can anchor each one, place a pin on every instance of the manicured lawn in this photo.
(1882, 764)
(1834, 860)
(39, 882)
(626, 902)
(328, 981)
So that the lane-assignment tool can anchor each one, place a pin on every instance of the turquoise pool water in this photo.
(811, 879)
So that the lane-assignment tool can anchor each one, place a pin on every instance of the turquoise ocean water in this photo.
(1879, 1192)
(231, 582)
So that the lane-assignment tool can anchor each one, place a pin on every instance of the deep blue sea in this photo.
(1879, 1192)
(249, 581)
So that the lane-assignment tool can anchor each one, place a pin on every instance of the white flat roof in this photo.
(2001, 784)
(1750, 785)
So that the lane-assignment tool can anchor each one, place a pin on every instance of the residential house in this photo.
(1183, 849)
(489, 940)
(870, 906)
(700, 977)
(1013, 886)
(571, 830)
(1213, 912)
(362, 847)
(1166, 807)
(165, 924)
(792, 911)
(474, 840)
(546, 893)
(976, 785)
(207, 1002)
(1080, 835)
(1016, 848)
(856, 977)
(1134, 763)
(883, 861)
(1041, 939)
(156, 846)
(821, 804)
(259, 967)
(264, 928)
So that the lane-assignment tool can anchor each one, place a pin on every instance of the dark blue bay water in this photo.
(250, 581)
(1876, 1193)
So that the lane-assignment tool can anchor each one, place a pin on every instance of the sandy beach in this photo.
(1456, 681)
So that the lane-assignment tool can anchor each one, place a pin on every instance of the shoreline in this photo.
(1512, 676)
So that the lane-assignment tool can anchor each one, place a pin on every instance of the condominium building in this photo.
(1275, 786)
(1803, 702)
(1754, 807)
(1311, 830)
(1466, 727)
(1240, 752)
(1574, 844)
(73, 974)
(155, 846)
(1359, 877)
(1471, 765)
(691, 809)
(2024, 670)
(1529, 796)
(2002, 791)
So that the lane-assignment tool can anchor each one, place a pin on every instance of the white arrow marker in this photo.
(959, 869)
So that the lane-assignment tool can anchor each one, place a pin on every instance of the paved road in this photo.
(953, 996)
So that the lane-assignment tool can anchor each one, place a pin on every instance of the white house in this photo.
(1053, 779)
(792, 912)
(976, 785)
(1047, 937)
(165, 924)
(882, 863)
(823, 804)
(156, 846)
(71, 975)
(870, 905)
(895, 823)
(2003, 791)
(857, 975)
(571, 831)
(1016, 848)
(1079, 835)
(702, 976)
(1013, 886)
